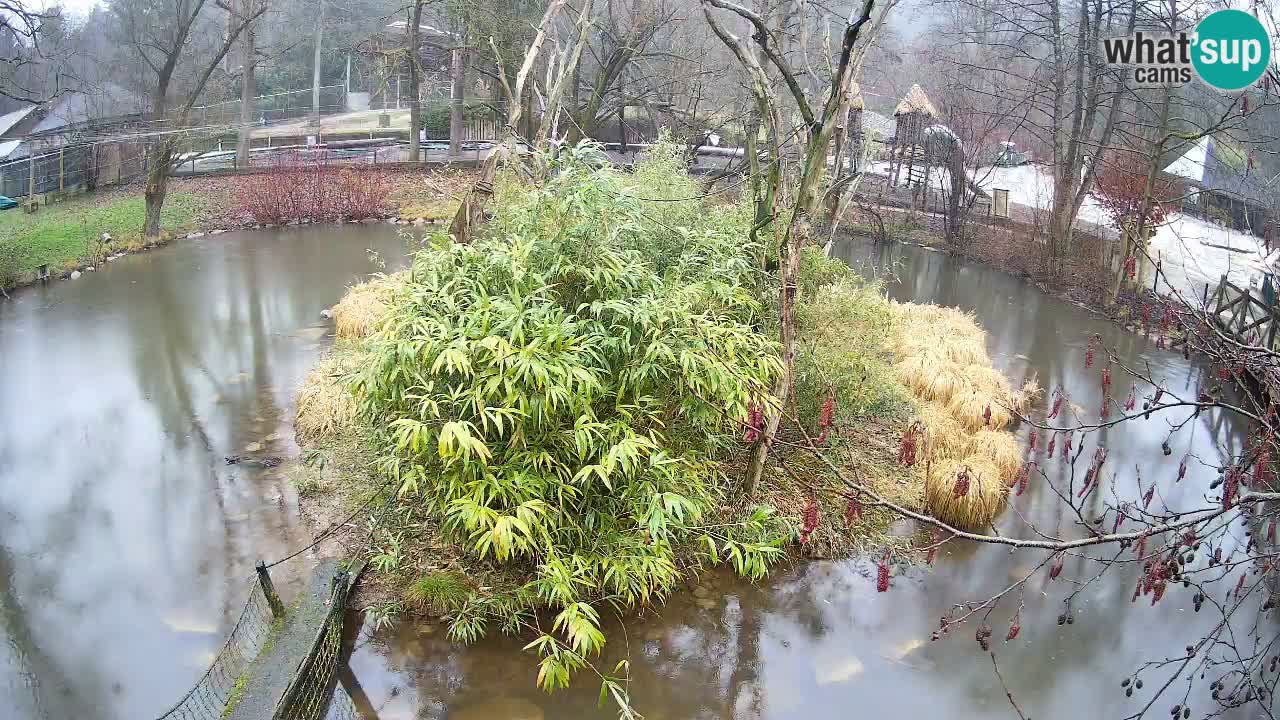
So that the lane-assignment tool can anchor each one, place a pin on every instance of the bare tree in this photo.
(413, 54)
(1047, 55)
(241, 9)
(162, 34)
(818, 126)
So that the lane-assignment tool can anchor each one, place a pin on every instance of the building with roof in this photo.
(1225, 184)
(71, 141)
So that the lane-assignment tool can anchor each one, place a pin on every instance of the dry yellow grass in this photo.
(982, 501)
(942, 435)
(1000, 448)
(363, 306)
(964, 407)
(325, 403)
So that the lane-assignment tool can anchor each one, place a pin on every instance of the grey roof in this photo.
(874, 122)
(80, 107)
(1242, 183)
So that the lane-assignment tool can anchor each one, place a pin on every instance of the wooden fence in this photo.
(1245, 314)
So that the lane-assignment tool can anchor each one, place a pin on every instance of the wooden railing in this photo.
(1245, 314)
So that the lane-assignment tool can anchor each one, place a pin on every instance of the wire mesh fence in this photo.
(212, 693)
(341, 706)
(72, 167)
(307, 697)
(274, 107)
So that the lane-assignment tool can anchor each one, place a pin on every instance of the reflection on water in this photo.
(124, 536)
(816, 640)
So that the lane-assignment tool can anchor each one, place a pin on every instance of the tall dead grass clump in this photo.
(363, 306)
(326, 405)
(964, 407)
(981, 502)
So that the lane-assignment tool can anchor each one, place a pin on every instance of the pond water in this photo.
(125, 537)
(817, 641)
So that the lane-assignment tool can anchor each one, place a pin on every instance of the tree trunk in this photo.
(415, 70)
(159, 156)
(457, 98)
(315, 68)
(248, 90)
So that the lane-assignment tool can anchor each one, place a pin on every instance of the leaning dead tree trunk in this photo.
(565, 66)
(798, 231)
(471, 213)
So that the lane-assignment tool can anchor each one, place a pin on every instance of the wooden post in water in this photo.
(269, 590)
(31, 179)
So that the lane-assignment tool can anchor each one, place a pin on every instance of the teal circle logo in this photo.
(1231, 50)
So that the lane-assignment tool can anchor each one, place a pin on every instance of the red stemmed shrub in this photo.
(295, 189)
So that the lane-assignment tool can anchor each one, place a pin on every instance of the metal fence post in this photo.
(269, 590)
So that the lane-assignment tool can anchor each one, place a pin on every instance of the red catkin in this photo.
(882, 574)
(1024, 478)
(1014, 628)
(1229, 487)
(826, 416)
(1240, 585)
(986, 416)
(1033, 438)
(1132, 401)
(1106, 379)
(1053, 439)
(1089, 476)
(1055, 568)
(754, 421)
(1146, 497)
(1182, 470)
(1057, 406)
(810, 520)
(852, 511)
(961, 487)
(907, 450)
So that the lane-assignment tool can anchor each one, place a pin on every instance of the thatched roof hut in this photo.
(915, 101)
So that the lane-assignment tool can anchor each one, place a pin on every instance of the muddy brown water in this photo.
(125, 538)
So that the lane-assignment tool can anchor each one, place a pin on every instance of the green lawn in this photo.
(59, 235)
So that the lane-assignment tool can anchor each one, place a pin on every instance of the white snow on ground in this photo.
(1190, 249)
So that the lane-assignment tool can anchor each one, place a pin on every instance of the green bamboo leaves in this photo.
(557, 392)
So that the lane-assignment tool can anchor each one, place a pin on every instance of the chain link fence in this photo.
(221, 682)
